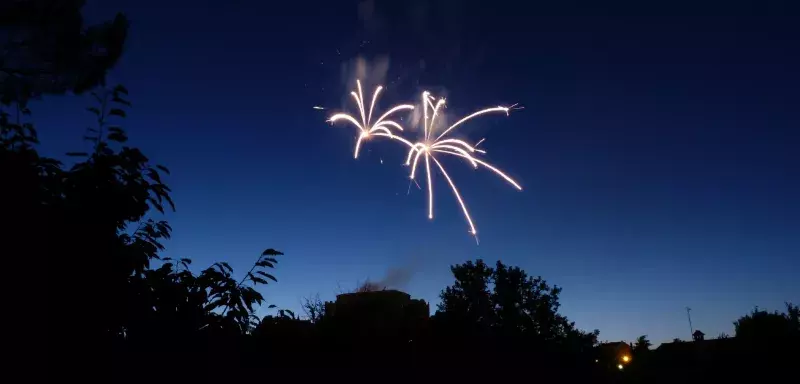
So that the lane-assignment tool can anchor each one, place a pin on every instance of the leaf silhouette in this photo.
(118, 137)
(271, 252)
(264, 264)
(163, 169)
(267, 275)
(120, 100)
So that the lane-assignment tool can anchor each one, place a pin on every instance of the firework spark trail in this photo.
(380, 128)
(448, 146)
(495, 109)
(458, 196)
(426, 147)
(495, 170)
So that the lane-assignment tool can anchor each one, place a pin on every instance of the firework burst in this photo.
(429, 148)
(381, 126)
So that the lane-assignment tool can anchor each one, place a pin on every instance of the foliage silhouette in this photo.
(48, 50)
(505, 303)
(103, 243)
(763, 325)
(642, 345)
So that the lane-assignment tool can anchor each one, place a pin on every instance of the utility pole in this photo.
(689, 315)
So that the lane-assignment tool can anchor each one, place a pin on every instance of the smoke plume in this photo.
(370, 73)
(395, 278)
(398, 278)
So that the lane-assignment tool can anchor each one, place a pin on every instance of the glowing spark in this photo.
(479, 143)
(372, 105)
(495, 109)
(430, 185)
(448, 146)
(380, 128)
(317, 107)
(495, 170)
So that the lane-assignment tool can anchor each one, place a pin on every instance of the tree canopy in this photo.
(760, 324)
(505, 302)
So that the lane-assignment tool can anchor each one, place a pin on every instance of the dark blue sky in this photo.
(658, 147)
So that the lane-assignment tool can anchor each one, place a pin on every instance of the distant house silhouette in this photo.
(386, 303)
(372, 315)
(699, 347)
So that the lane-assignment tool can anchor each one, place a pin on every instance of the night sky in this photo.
(659, 147)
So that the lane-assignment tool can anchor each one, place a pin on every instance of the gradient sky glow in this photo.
(659, 148)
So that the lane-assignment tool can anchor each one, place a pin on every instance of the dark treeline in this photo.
(111, 307)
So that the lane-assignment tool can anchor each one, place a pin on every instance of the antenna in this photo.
(689, 315)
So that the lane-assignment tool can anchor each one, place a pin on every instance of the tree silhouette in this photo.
(467, 303)
(642, 345)
(314, 308)
(763, 325)
(505, 302)
(48, 50)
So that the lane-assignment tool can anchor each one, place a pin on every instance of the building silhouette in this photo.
(378, 316)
